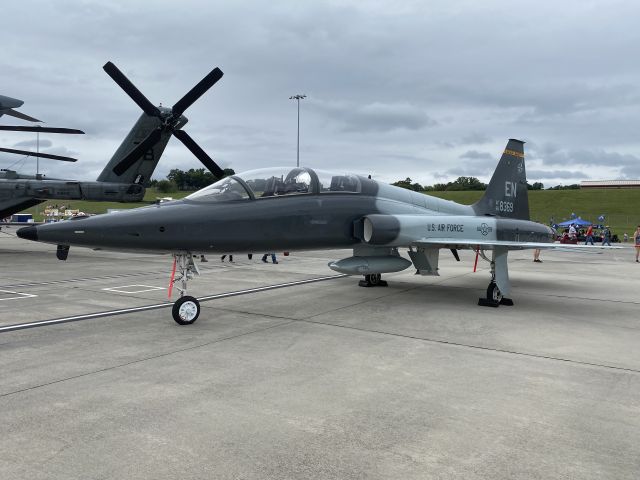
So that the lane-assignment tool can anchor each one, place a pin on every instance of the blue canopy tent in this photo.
(576, 221)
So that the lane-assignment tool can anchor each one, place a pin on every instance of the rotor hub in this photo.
(171, 119)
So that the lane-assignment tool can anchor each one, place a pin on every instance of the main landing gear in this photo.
(494, 296)
(373, 280)
(186, 309)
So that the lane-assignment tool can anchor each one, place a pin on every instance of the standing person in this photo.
(572, 232)
(606, 236)
(273, 257)
(636, 242)
(224, 256)
(536, 256)
(589, 238)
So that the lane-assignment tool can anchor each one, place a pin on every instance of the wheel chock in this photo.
(485, 302)
(381, 283)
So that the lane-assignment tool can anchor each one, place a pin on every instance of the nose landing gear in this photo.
(187, 308)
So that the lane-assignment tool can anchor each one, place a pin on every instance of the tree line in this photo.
(460, 184)
(190, 180)
(197, 178)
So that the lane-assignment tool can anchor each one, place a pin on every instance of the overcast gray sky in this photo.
(424, 89)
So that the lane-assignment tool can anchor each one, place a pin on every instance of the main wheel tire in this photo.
(493, 293)
(373, 279)
(186, 310)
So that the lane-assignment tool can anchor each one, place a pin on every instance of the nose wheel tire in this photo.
(186, 310)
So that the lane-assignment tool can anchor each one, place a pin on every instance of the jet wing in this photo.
(509, 245)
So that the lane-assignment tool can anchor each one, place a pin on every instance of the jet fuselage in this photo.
(304, 221)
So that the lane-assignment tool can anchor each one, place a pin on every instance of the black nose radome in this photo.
(28, 233)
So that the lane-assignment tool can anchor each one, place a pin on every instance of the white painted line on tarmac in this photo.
(19, 295)
(126, 289)
(122, 311)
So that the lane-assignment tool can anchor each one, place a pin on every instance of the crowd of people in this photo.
(249, 256)
(572, 235)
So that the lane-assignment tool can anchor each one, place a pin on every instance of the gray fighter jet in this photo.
(128, 172)
(284, 209)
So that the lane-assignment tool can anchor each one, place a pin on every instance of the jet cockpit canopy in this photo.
(275, 182)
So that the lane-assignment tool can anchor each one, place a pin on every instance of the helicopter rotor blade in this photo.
(39, 154)
(169, 123)
(200, 154)
(22, 116)
(139, 150)
(196, 92)
(37, 128)
(131, 90)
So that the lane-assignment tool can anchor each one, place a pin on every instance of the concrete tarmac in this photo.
(324, 380)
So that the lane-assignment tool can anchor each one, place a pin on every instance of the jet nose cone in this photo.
(28, 233)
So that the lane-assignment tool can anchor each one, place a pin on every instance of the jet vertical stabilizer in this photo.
(506, 194)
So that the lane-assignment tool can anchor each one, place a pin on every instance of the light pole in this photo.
(298, 98)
